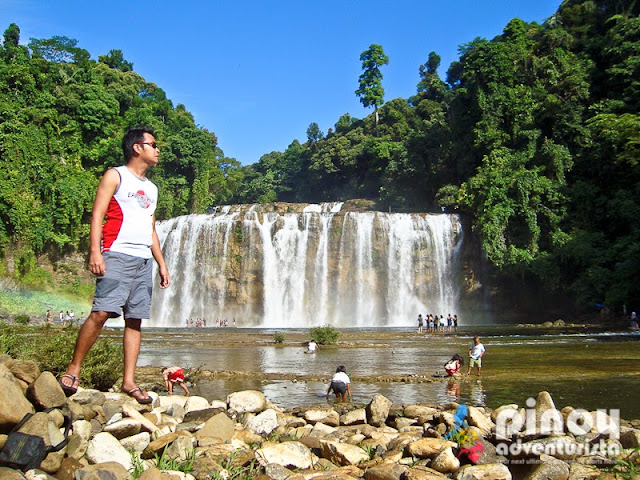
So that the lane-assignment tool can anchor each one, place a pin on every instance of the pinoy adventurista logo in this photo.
(143, 199)
(589, 432)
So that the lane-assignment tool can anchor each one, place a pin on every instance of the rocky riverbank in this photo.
(114, 437)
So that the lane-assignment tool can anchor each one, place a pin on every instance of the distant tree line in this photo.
(534, 137)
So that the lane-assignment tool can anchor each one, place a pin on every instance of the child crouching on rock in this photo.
(452, 367)
(340, 384)
(173, 375)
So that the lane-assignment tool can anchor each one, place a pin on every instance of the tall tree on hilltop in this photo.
(370, 91)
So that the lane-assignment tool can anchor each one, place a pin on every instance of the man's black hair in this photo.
(134, 135)
(341, 369)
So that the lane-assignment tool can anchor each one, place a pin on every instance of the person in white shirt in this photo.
(340, 384)
(312, 347)
(475, 355)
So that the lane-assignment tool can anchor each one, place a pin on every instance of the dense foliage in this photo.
(62, 117)
(534, 136)
(52, 351)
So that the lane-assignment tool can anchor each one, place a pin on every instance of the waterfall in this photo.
(305, 266)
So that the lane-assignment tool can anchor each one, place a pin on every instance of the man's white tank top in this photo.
(129, 225)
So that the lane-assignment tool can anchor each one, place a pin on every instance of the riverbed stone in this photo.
(354, 417)
(477, 418)
(342, 453)
(446, 461)
(137, 442)
(195, 402)
(386, 471)
(378, 410)
(264, 423)
(492, 471)
(326, 416)
(45, 392)
(123, 428)
(247, 401)
(288, 454)
(103, 471)
(104, 447)
(549, 469)
(219, 426)
(13, 404)
(428, 447)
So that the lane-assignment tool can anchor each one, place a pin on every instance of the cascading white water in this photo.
(315, 267)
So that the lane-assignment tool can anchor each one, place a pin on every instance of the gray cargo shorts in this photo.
(126, 286)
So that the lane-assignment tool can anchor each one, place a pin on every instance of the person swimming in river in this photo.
(452, 367)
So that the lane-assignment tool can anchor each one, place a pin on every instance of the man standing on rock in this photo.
(120, 257)
(475, 355)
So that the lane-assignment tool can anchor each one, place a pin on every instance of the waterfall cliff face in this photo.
(308, 265)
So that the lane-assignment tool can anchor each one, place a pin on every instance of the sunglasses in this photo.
(153, 144)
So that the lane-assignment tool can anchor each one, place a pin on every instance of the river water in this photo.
(580, 367)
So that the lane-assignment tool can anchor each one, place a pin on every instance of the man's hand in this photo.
(96, 264)
(165, 279)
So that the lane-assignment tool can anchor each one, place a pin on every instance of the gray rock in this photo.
(25, 370)
(195, 403)
(480, 420)
(446, 461)
(354, 417)
(277, 472)
(327, 416)
(342, 453)
(124, 428)
(77, 446)
(104, 447)
(201, 416)
(181, 448)
(250, 401)
(378, 410)
(104, 471)
(493, 471)
(428, 447)
(219, 426)
(550, 469)
(288, 454)
(264, 423)
(137, 443)
(386, 471)
(89, 396)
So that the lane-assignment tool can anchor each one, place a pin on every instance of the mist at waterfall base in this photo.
(310, 265)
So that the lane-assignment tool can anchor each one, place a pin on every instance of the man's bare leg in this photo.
(131, 344)
(87, 336)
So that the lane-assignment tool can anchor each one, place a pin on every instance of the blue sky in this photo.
(258, 73)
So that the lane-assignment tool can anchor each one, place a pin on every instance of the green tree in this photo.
(370, 89)
(115, 59)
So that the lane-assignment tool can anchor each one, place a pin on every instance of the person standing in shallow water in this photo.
(475, 355)
(120, 256)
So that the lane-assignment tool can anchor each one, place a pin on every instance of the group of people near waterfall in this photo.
(435, 323)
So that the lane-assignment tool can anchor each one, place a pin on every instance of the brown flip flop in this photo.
(141, 397)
